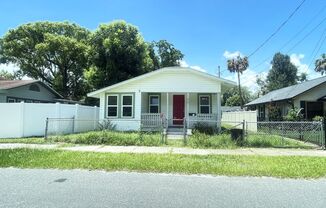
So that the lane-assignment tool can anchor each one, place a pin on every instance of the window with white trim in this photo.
(154, 104)
(112, 106)
(127, 106)
(204, 104)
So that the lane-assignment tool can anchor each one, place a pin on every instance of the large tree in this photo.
(164, 54)
(238, 65)
(119, 52)
(282, 74)
(54, 52)
(231, 96)
(5, 75)
(320, 64)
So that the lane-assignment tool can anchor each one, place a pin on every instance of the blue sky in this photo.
(207, 32)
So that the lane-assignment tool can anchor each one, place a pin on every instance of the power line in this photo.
(321, 40)
(277, 30)
(293, 37)
(302, 39)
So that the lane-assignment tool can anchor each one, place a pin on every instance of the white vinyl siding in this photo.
(112, 106)
(164, 82)
(127, 101)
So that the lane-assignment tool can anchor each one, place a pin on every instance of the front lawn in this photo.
(198, 140)
(230, 165)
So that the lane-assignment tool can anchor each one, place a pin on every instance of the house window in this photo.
(34, 87)
(154, 103)
(127, 106)
(112, 106)
(204, 104)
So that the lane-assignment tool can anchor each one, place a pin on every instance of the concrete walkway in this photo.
(173, 150)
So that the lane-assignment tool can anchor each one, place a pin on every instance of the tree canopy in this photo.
(119, 52)
(164, 54)
(73, 60)
(282, 74)
(320, 64)
(54, 52)
(231, 97)
(5, 75)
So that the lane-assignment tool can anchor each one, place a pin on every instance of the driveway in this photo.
(79, 188)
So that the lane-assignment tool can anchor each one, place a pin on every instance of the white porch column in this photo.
(187, 109)
(219, 111)
(167, 107)
(137, 110)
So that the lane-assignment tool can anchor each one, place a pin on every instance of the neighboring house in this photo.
(175, 94)
(309, 96)
(29, 91)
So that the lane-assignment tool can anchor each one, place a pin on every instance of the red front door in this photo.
(178, 109)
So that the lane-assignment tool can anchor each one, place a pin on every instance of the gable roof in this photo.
(149, 74)
(288, 92)
(10, 84)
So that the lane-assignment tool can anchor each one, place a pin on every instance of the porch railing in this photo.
(210, 119)
(151, 120)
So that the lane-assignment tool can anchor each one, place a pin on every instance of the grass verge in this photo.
(231, 165)
(198, 140)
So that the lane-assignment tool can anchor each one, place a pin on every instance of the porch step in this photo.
(169, 136)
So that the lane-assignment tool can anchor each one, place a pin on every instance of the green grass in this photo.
(274, 141)
(111, 138)
(28, 140)
(231, 165)
(224, 141)
(198, 140)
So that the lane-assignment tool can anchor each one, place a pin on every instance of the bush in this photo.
(112, 138)
(318, 118)
(293, 115)
(106, 125)
(205, 128)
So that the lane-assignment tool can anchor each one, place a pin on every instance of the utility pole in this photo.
(219, 71)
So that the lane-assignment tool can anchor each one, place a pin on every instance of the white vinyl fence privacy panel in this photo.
(239, 116)
(29, 119)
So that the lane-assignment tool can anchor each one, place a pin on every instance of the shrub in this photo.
(106, 125)
(318, 118)
(293, 115)
(205, 128)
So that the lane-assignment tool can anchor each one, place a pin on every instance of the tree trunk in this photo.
(240, 93)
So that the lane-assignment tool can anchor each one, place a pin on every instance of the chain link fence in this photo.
(308, 132)
(305, 131)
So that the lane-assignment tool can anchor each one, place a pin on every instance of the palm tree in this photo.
(320, 64)
(238, 65)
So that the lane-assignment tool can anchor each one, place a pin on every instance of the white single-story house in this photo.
(177, 95)
(309, 96)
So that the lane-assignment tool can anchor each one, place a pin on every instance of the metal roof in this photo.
(288, 92)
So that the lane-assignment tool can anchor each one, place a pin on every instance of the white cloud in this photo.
(183, 63)
(9, 67)
(230, 55)
(297, 60)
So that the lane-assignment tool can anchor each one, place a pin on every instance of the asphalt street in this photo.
(82, 188)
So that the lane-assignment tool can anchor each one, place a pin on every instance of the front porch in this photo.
(179, 110)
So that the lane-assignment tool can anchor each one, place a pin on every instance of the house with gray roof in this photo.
(29, 91)
(309, 96)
